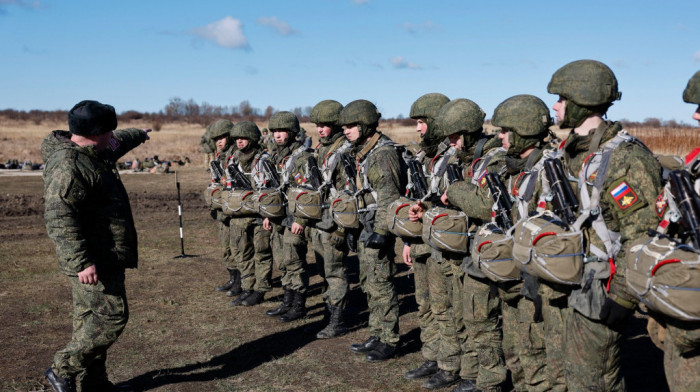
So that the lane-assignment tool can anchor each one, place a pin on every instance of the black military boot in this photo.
(242, 297)
(232, 279)
(428, 368)
(284, 306)
(366, 346)
(336, 325)
(298, 309)
(465, 386)
(382, 351)
(257, 297)
(441, 379)
(236, 287)
(59, 384)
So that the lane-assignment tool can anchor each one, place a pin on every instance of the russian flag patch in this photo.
(624, 196)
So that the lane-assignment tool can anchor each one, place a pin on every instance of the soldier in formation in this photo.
(500, 303)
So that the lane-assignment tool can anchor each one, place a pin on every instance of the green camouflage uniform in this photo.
(592, 348)
(208, 146)
(289, 249)
(254, 258)
(329, 255)
(377, 265)
(476, 304)
(523, 338)
(89, 219)
(228, 238)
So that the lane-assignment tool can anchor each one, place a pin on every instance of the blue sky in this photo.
(136, 55)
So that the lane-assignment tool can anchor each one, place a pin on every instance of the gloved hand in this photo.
(338, 238)
(614, 315)
(375, 241)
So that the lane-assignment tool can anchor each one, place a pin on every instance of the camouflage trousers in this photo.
(445, 311)
(289, 252)
(523, 340)
(592, 355)
(482, 354)
(229, 245)
(429, 329)
(254, 254)
(555, 312)
(329, 261)
(377, 270)
(100, 313)
(682, 356)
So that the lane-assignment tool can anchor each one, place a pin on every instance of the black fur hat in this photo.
(88, 118)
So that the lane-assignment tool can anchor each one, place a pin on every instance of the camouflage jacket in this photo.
(383, 178)
(330, 166)
(87, 209)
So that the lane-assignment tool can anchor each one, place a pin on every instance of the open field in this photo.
(182, 335)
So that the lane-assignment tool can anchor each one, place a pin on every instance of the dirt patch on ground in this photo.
(184, 336)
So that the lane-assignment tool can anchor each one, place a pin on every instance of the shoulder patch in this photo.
(661, 205)
(624, 196)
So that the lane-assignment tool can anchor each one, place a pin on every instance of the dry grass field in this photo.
(182, 335)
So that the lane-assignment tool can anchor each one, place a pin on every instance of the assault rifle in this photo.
(350, 171)
(420, 186)
(501, 199)
(272, 178)
(236, 179)
(217, 172)
(454, 173)
(315, 177)
(688, 203)
(563, 197)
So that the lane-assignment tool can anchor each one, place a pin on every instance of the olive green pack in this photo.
(665, 275)
(446, 230)
(237, 202)
(270, 203)
(545, 248)
(492, 249)
(305, 203)
(398, 222)
(345, 211)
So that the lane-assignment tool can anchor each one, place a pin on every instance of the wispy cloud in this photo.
(34, 5)
(227, 33)
(413, 28)
(696, 57)
(281, 26)
(401, 63)
(360, 2)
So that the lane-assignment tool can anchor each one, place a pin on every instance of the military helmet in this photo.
(247, 130)
(361, 112)
(326, 112)
(459, 116)
(220, 128)
(525, 114)
(691, 94)
(585, 82)
(427, 105)
(286, 121)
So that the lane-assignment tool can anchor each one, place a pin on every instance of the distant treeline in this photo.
(179, 110)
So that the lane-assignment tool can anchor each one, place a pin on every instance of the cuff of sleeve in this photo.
(301, 221)
(380, 231)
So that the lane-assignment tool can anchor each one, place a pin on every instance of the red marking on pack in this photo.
(539, 237)
(613, 270)
(478, 248)
(692, 155)
(669, 261)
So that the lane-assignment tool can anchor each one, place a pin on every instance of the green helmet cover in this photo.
(363, 113)
(286, 121)
(691, 94)
(585, 82)
(326, 112)
(428, 105)
(247, 130)
(459, 116)
(220, 128)
(524, 114)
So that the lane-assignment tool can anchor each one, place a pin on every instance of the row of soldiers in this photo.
(530, 254)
